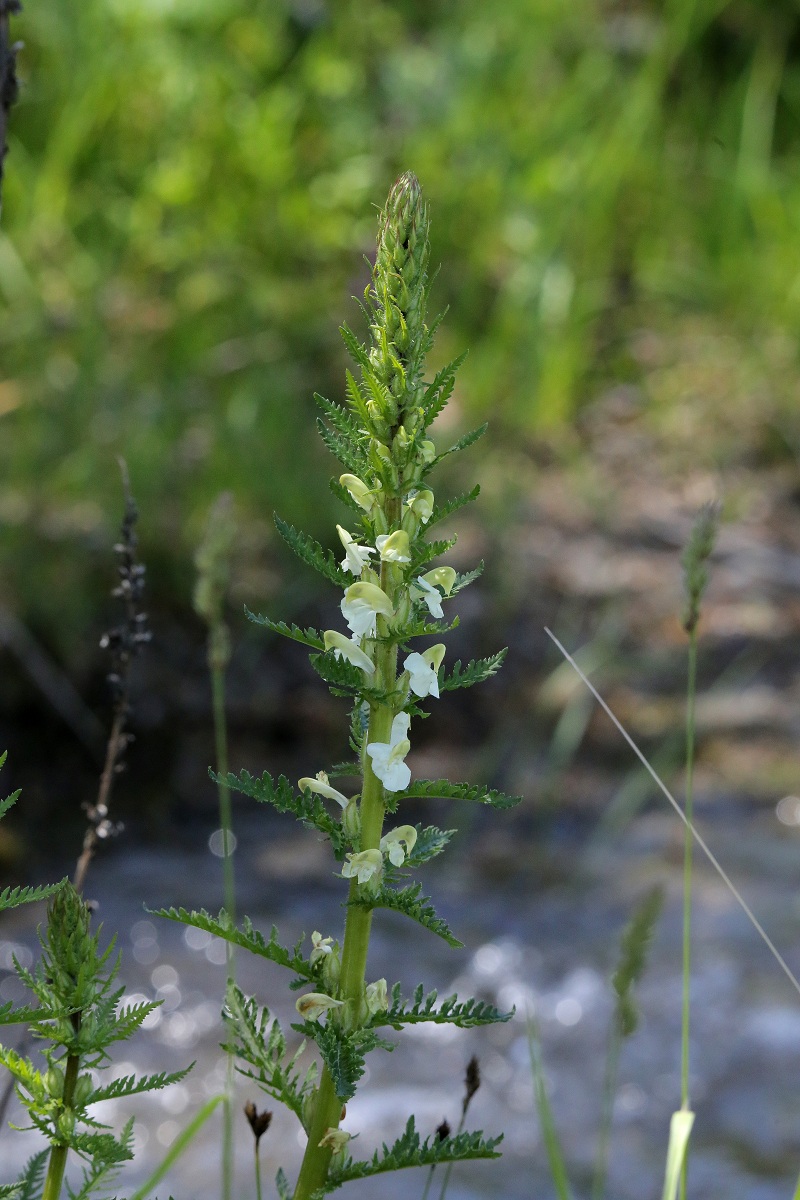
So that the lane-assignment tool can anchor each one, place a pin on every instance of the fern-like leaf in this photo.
(429, 551)
(474, 672)
(440, 390)
(430, 842)
(12, 897)
(413, 904)
(131, 1085)
(307, 806)
(29, 1184)
(356, 349)
(247, 937)
(426, 789)
(450, 1011)
(410, 1151)
(342, 448)
(345, 679)
(311, 552)
(469, 439)
(466, 579)
(307, 637)
(257, 1039)
(440, 512)
(343, 1053)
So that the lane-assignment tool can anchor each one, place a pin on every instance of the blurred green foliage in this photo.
(192, 183)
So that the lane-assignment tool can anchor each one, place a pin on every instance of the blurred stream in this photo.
(546, 949)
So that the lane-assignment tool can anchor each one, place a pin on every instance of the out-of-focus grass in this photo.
(188, 181)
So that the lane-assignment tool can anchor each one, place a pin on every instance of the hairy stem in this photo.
(59, 1151)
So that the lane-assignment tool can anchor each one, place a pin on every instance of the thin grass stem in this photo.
(688, 846)
(607, 1114)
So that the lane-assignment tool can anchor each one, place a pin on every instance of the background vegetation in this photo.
(189, 180)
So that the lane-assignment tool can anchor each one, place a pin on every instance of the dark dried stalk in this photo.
(124, 642)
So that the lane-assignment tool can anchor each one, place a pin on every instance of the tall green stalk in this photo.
(209, 602)
(695, 558)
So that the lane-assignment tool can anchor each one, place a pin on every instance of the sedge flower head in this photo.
(397, 843)
(387, 757)
(321, 786)
(314, 1004)
(394, 547)
(364, 866)
(423, 670)
(377, 997)
(361, 605)
(421, 504)
(363, 496)
(355, 557)
(343, 647)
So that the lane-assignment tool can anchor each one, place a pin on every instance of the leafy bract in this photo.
(307, 806)
(311, 552)
(247, 937)
(413, 904)
(427, 789)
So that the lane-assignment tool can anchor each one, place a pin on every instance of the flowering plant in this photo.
(391, 598)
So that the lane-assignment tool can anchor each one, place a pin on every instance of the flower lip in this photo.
(394, 547)
(423, 671)
(363, 495)
(363, 866)
(322, 787)
(398, 843)
(360, 607)
(355, 557)
(421, 504)
(312, 1006)
(343, 647)
(387, 757)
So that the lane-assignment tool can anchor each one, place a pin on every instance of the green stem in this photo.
(228, 890)
(358, 923)
(258, 1173)
(59, 1151)
(687, 888)
(607, 1115)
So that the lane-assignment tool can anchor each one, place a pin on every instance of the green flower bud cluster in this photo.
(398, 294)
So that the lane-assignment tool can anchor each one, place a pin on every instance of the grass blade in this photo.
(558, 1171)
(178, 1146)
(680, 1127)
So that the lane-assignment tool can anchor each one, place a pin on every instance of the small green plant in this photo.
(393, 594)
(78, 1016)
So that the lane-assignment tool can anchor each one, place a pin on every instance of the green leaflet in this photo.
(469, 439)
(247, 937)
(307, 637)
(440, 390)
(23, 1016)
(408, 900)
(307, 806)
(451, 1011)
(343, 1053)
(258, 1039)
(342, 448)
(440, 512)
(13, 897)
(466, 579)
(430, 842)
(410, 1151)
(311, 552)
(345, 679)
(29, 1184)
(429, 551)
(356, 349)
(475, 672)
(131, 1085)
(424, 789)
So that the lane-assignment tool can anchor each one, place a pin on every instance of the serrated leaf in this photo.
(258, 1039)
(131, 1085)
(343, 1053)
(356, 349)
(24, 1016)
(430, 842)
(307, 637)
(451, 1011)
(343, 449)
(474, 672)
(440, 390)
(440, 512)
(429, 551)
(410, 1151)
(413, 904)
(282, 1185)
(345, 679)
(462, 581)
(29, 1184)
(443, 789)
(469, 439)
(311, 552)
(307, 806)
(12, 897)
(247, 937)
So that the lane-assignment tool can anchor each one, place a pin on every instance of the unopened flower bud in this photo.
(83, 1090)
(54, 1083)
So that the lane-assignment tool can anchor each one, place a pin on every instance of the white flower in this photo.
(394, 547)
(422, 590)
(363, 866)
(428, 451)
(337, 1139)
(377, 997)
(387, 757)
(423, 670)
(322, 947)
(342, 647)
(314, 1004)
(397, 843)
(421, 504)
(355, 557)
(361, 605)
(322, 787)
(359, 491)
